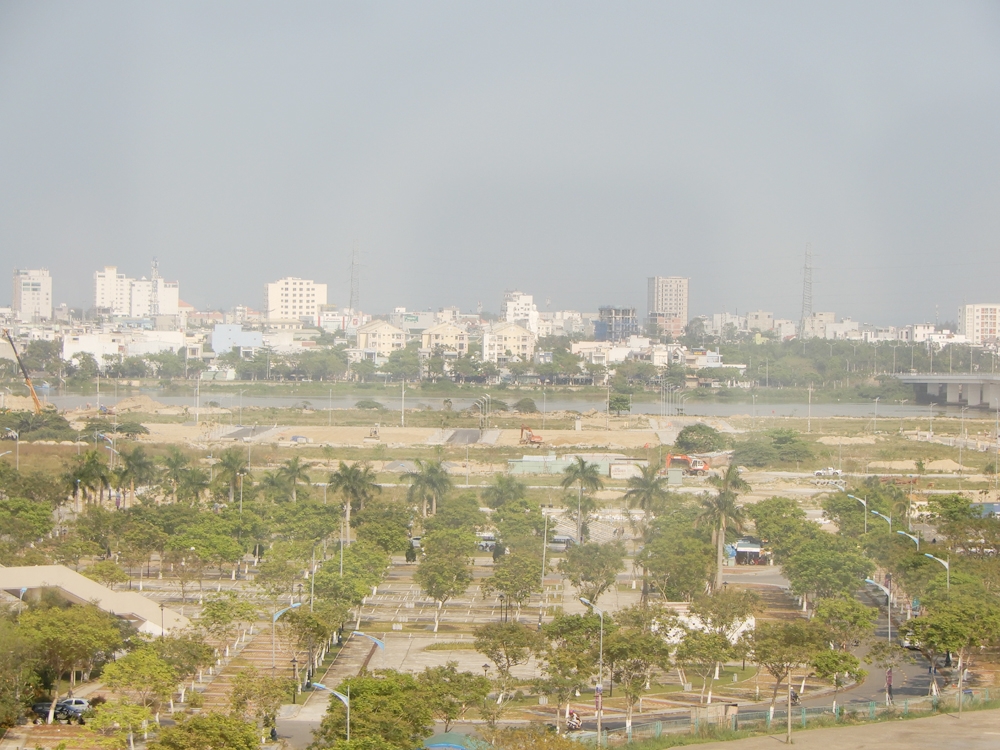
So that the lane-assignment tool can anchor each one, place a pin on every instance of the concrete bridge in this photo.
(969, 389)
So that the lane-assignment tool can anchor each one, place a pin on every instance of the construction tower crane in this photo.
(24, 371)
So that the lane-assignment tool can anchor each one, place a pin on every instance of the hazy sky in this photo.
(567, 149)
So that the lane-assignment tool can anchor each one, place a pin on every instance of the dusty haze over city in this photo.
(567, 149)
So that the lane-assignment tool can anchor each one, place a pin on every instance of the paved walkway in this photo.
(979, 730)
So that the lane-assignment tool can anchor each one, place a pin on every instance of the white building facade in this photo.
(980, 323)
(293, 298)
(520, 308)
(668, 296)
(123, 296)
(32, 299)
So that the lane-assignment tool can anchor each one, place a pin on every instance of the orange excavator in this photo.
(24, 371)
(529, 438)
(691, 465)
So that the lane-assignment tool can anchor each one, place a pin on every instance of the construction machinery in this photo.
(529, 438)
(24, 371)
(692, 466)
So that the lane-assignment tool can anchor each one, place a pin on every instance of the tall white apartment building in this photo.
(113, 291)
(518, 307)
(668, 297)
(32, 298)
(135, 298)
(293, 298)
(980, 324)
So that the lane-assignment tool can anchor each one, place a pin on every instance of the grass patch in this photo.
(452, 646)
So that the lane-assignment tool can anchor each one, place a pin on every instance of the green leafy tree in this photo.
(446, 570)
(632, 654)
(840, 667)
(212, 731)
(119, 720)
(516, 576)
(700, 438)
(568, 649)
(700, 651)
(847, 620)
(678, 563)
(69, 639)
(451, 693)
(619, 402)
(780, 648)
(592, 568)
(106, 572)
(727, 610)
(138, 469)
(18, 678)
(256, 696)
(507, 645)
(385, 523)
(387, 704)
(141, 676)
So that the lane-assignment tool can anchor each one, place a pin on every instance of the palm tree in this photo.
(274, 485)
(194, 481)
(429, 482)
(137, 468)
(646, 491)
(722, 512)
(175, 464)
(586, 477)
(293, 472)
(356, 483)
(231, 466)
(505, 489)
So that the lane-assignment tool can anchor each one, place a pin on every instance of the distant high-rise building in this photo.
(293, 298)
(980, 324)
(667, 301)
(32, 300)
(120, 295)
(616, 323)
(520, 308)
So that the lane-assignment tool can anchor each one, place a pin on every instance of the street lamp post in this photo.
(947, 567)
(875, 423)
(295, 676)
(600, 670)
(887, 519)
(865, 504)
(274, 619)
(916, 539)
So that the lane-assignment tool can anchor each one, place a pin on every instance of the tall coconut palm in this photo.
(722, 512)
(647, 491)
(274, 485)
(194, 481)
(175, 464)
(585, 476)
(294, 472)
(430, 482)
(356, 483)
(504, 489)
(138, 468)
(231, 466)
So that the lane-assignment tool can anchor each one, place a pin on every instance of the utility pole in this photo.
(810, 413)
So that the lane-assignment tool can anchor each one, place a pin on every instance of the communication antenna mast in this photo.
(807, 292)
(154, 295)
(355, 296)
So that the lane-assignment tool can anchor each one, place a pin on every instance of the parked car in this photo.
(67, 709)
(829, 471)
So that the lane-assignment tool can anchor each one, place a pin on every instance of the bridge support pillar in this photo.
(973, 393)
(934, 389)
(953, 391)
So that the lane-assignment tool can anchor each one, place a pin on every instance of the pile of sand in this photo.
(841, 440)
(140, 403)
(18, 403)
(945, 464)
